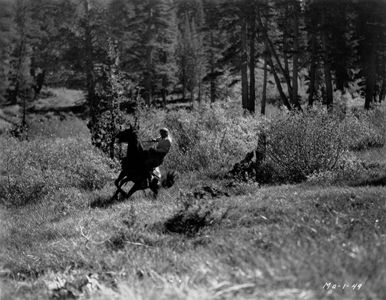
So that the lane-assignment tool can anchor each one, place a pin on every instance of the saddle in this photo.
(149, 168)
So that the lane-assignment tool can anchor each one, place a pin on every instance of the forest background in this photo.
(277, 114)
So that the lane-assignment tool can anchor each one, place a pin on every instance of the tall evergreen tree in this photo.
(21, 54)
(191, 50)
(6, 26)
(237, 19)
(215, 40)
(148, 44)
(371, 26)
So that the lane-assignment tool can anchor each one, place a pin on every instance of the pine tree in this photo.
(6, 27)
(148, 45)
(191, 50)
(238, 21)
(109, 95)
(191, 58)
(370, 28)
(215, 41)
(21, 54)
(51, 18)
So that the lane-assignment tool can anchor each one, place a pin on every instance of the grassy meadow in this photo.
(209, 236)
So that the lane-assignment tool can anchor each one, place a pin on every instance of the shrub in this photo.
(209, 139)
(301, 144)
(315, 144)
(365, 129)
(349, 169)
(42, 166)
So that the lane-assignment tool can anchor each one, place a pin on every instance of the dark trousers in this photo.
(153, 160)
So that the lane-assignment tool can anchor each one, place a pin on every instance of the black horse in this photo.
(133, 168)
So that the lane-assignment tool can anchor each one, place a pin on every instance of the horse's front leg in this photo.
(121, 180)
(117, 181)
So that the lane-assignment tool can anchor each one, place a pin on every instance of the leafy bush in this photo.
(365, 129)
(315, 144)
(38, 167)
(349, 169)
(209, 139)
(301, 144)
(212, 139)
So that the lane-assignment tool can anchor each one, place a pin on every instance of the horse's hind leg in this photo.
(154, 187)
(133, 189)
(115, 196)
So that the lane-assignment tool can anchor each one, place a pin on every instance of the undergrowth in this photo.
(222, 240)
(316, 144)
(208, 140)
(38, 168)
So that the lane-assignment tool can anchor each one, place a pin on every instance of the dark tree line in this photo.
(184, 49)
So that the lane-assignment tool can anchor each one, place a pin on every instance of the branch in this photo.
(273, 52)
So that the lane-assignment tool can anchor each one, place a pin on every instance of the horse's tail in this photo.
(169, 180)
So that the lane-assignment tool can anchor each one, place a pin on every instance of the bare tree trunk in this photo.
(149, 62)
(212, 70)
(295, 58)
(164, 97)
(148, 91)
(252, 64)
(382, 92)
(183, 86)
(21, 53)
(264, 95)
(212, 90)
(199, 90)
(164, 90)
(312, 73)
(192, 95)
(89, 64)
(244, 63)
(24, 118)
(273, 53)
(327, 67)
(328, 83)
(311, 88)
(278, 84)
(285, 47)
(370, 75)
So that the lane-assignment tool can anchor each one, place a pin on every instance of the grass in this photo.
(201, 239)
(274, 242)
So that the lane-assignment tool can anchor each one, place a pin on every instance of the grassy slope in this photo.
(274, 241)
(59, 98)
(281, 242)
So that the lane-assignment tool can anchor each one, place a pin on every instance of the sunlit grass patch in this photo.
(276, 241)
(201, 239)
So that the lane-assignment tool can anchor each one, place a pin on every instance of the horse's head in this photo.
(128, 136)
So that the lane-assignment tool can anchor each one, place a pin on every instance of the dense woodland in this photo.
(168, 50)
(159, 52)
(280, 184)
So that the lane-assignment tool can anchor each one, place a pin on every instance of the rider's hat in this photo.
(165, 130)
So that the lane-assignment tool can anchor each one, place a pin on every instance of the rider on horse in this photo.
(139, 165)
(157, 154)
